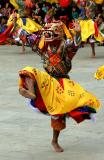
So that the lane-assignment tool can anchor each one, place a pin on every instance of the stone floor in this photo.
(25, 135)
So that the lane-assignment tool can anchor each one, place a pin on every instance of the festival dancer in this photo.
(99, 23)
(24, 26)
(90, 31)
(99, 75)
(52, 91)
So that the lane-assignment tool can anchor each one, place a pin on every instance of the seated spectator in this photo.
(74, 12)
(3, 21)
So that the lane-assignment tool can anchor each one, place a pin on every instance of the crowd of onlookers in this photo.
(5, 12)
(43, 12)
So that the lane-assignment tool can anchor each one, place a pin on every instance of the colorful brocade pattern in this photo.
(60, 98)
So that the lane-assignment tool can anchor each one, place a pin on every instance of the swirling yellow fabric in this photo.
(13, 2)
(87, 29)
(31, 26)
(99, 38)
(52, 1)
(98, 1)
(58, 99)
(99, 73)
(11, 19)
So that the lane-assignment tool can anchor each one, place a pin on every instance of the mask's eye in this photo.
(55, 29)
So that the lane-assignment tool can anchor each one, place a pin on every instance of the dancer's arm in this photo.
(28, 92)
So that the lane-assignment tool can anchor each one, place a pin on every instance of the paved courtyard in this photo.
(25, 135)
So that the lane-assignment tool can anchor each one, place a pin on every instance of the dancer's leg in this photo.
(93, 49)
(55, 143)
(57, 125)
(23, 48)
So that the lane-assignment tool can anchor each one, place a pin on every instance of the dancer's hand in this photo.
(76, 26)
(29, 91)
(29, 84)
(26, 93)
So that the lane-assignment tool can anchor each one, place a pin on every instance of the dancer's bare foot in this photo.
(22, 51)
(93, 56)
(22, 48)
(57, 147)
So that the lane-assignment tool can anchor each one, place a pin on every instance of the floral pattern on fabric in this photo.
(58, 99)
(99, 73)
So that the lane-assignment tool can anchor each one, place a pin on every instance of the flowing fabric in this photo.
(99, 73)
(30, 26)
(60, 99)
(15, 5)
(98, 1)
(89, 28)
(11, 18)
(52, 1)
(99, 38)
(4, 36)
(98, 34)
